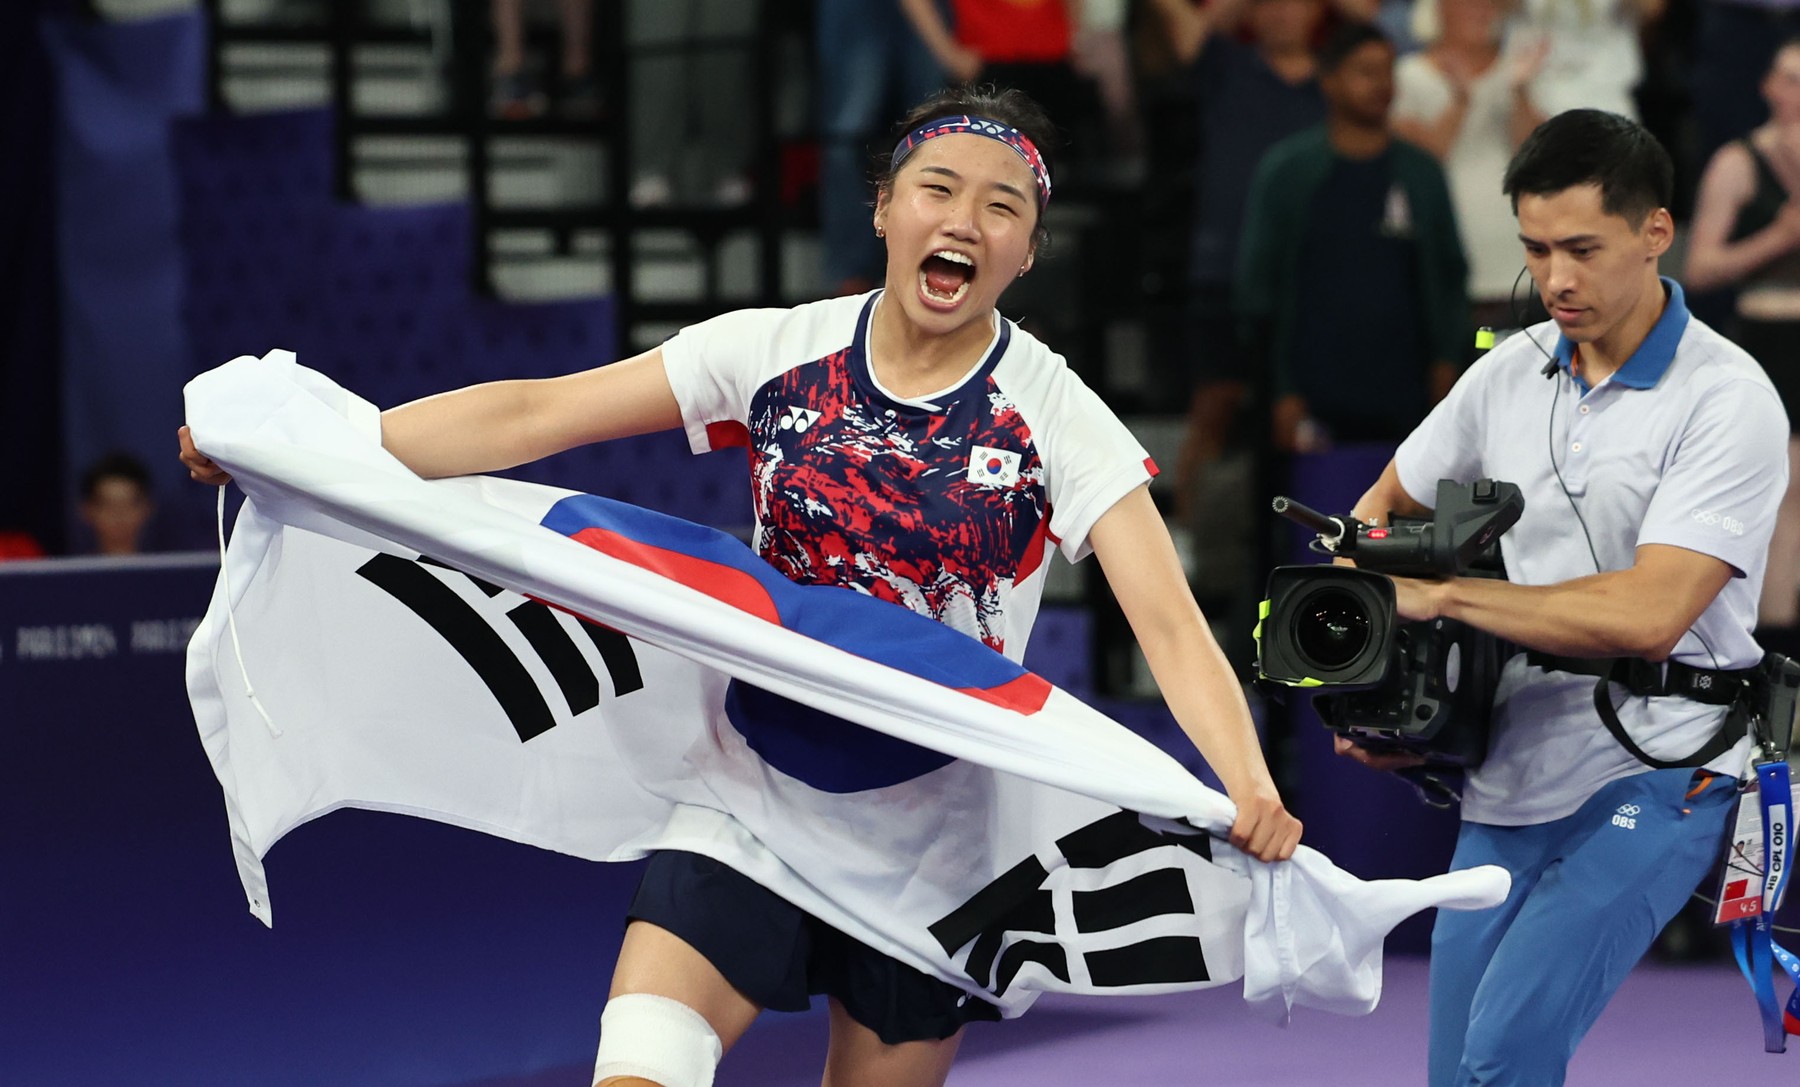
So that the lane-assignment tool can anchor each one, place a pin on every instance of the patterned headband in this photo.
(980, 126)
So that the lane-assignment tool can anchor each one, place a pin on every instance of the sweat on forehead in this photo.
(966, 124)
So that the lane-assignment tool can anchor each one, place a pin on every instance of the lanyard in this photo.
(1752, 939)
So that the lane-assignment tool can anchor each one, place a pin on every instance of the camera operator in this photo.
(1651, 453)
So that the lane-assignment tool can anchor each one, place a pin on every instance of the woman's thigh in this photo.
(654, 960)
(857, 1057)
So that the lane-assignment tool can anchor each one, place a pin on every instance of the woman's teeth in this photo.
(954, 296)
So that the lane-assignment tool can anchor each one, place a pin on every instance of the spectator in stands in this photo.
(518, 93)
(116, 503)
(19, 544)
(1737, 41)
(1025, 44)
(1101, 54)
(1351, 277)
(1746, 234)
(1470, 103)
(692, 140)
(869, 57)
(1250, 95)
(1594, 55)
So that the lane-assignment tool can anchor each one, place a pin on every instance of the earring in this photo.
(881, 232)
(1023, 268)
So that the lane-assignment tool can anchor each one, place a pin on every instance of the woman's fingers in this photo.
(200, 466)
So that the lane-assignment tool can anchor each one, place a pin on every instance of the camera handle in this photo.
(1332, 531)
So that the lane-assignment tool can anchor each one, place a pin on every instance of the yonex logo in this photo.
(798, 419)
(1626, 816)
(499, 668)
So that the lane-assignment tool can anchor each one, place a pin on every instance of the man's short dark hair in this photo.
(1593, 147)
(1345, 40)
(117, 464)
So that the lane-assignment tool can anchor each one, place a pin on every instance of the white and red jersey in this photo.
(949, 504)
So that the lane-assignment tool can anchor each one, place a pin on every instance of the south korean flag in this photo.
(1125, 903)
(990, 467)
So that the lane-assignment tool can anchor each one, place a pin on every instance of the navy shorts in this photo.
(779, 955)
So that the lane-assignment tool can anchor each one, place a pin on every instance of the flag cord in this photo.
(231, 621)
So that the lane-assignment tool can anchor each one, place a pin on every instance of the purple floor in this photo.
(1673, 1026)
(411, 954)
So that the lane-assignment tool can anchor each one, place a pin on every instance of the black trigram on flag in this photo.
(468, 632)
(1017, 919)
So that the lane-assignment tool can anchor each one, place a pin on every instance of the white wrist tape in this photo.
(658, 1039)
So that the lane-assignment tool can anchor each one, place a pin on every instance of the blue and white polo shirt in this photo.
(1685, 445)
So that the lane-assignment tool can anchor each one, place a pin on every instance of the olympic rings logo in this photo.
(1710, 518)
(1629, 809)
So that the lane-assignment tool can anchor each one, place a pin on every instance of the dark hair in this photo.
(1004, 104)
(1347, 39)
(115, 465)
(1593, 147)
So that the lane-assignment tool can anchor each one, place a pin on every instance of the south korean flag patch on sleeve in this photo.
(991, 467)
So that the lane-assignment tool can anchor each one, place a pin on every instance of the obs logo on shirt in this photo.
(1626, 816)
(1709, 518)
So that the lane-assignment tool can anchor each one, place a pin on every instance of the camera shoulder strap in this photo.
(1716, 687)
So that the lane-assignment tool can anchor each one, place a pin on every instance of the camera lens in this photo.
(1332, 628)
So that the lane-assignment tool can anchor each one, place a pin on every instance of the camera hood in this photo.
(1332, 630)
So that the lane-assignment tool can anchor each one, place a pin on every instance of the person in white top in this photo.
(1746, 237)
(1595, 57)
(912, 445)
(1470, 102)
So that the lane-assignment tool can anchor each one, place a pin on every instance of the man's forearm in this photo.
(1602, 615)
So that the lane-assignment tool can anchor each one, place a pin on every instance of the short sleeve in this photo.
(1448, 444)
(1720, 491)
(1091, 461)
(714, 368)
(1420, 92)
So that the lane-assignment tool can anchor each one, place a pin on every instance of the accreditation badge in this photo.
(1741, 883)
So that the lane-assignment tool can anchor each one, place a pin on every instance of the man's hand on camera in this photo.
(1416, 599)
(1375, 760)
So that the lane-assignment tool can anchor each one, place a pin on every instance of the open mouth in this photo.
(945, 276)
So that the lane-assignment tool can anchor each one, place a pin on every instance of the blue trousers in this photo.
(1514, 988)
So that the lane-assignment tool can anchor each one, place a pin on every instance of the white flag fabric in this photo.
(585, 676)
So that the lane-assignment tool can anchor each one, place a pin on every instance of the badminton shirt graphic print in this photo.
(948, 504)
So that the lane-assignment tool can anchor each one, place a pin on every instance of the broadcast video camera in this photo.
(1425, 688)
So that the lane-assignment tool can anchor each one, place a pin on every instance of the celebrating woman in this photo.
(910, 444)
